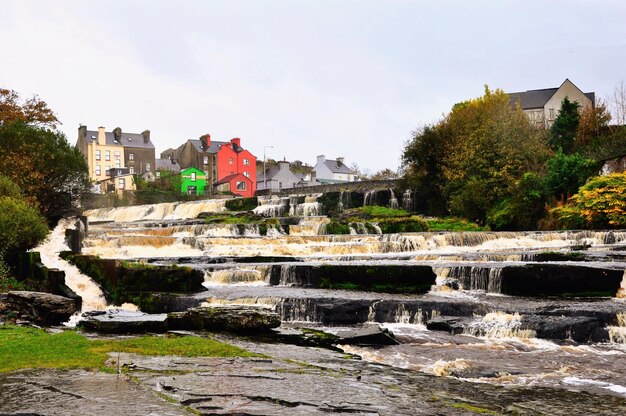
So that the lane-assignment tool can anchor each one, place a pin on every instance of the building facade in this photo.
(277, 178)
(542, 106)
(193, 182)
(333, 170)
(105, 151)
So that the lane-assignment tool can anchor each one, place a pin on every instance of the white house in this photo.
(333, 170)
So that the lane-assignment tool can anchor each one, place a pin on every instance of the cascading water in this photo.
(499, 325)
(164, 211)
(407, 200)
(393, 201)
(272, 206)
(82, 285)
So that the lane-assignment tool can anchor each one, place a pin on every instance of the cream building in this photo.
(542, 106)
(102, 151)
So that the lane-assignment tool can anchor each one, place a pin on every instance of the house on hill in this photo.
(542, 106)
(333, 171)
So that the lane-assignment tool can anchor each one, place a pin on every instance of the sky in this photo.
(342, 78)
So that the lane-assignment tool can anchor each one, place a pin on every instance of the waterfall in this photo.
(499, 325)
(164, 211)
(272, 206)
(340, 202)
(82, 285)
(407, 201)
(370, 198)
(617, 334)
(257, 274)
(309, 226)
(308, 208)
(393, 201)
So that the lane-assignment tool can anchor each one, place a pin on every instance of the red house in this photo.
(237, 167)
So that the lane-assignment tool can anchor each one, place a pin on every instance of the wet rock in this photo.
(371, 335)
(224, 318)
(559, 280)
(41, 308)
(123, 322)
(575, 328)
(452, 324)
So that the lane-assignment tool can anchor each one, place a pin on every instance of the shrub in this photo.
(21, 226)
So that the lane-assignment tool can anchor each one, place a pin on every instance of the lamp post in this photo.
(264, 171)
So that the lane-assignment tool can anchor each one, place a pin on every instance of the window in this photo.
(131, 170)
(118, 163)
(193, 176)
(98, 170)
(241, 186)
(122, 183)
(246, 174)
(131, 156)
(206, 160)
(107, 155)
(147, 166)
(116, 154)
(552, 114)
(246, 162)
(280, 185)
(230, 161)
(158, 174)
(98, 154)
(191, 190)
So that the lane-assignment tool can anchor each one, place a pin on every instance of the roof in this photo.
(128, 139)
(329, 181)
(213, 147)
(271, 172)
(229, 178)
(538, 98)
(167, 164)
(338, 167)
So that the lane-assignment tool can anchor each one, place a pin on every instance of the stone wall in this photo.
(361, 186)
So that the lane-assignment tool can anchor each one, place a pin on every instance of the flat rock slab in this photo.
(225, 318)
(119, 321)
(43, 308)
(370, 335)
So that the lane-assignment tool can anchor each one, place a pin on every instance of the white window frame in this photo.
(98, 154)
(107, 155)
(241, 185)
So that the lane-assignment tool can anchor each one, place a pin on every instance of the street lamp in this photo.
(264, 171)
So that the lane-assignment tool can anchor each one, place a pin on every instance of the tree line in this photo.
(485, 161)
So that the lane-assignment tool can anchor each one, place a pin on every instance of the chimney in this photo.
(82, 131)
(117, 134)
(283, 166)
(101, 137)
(206, 142)
(146, 136)
(321, 159)
(236, 141)
(340, 161)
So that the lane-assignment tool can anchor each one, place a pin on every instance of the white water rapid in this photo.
(82, 285)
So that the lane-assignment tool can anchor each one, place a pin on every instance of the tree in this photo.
(49, 171)
(523, 209)
(594, 121)
(383, 174)
(567, 173)
(563, 131)
(474, 157)
(32, 111)
(618, 104)
(361, 174)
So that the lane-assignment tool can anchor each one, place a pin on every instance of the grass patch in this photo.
(474, 409)
(382, 212)
(22, 348)
(452, 224)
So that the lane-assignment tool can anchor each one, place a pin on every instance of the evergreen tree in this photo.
(563, 131)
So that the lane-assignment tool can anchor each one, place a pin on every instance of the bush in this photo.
(21, 226)
(601, 203)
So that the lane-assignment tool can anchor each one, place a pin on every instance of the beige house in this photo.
(101, 151)
(542, 106)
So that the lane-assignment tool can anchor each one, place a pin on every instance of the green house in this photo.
(192, 181)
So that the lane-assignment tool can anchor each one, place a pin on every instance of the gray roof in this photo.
(128, 139)
(338, 167)
(166, 164)
(213, 147)
(271, 172)
(538, 98)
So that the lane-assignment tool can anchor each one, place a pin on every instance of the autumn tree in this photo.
(383, 174)
(31, 111)
(593, 123)
(51, 173)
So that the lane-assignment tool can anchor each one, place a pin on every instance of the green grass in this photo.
(474, 409)
(384, 212)
(22, 348)
(452, 224)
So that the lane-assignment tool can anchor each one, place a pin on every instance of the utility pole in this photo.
(264, 171)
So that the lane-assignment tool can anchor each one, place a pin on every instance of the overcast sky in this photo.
(340, 78)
